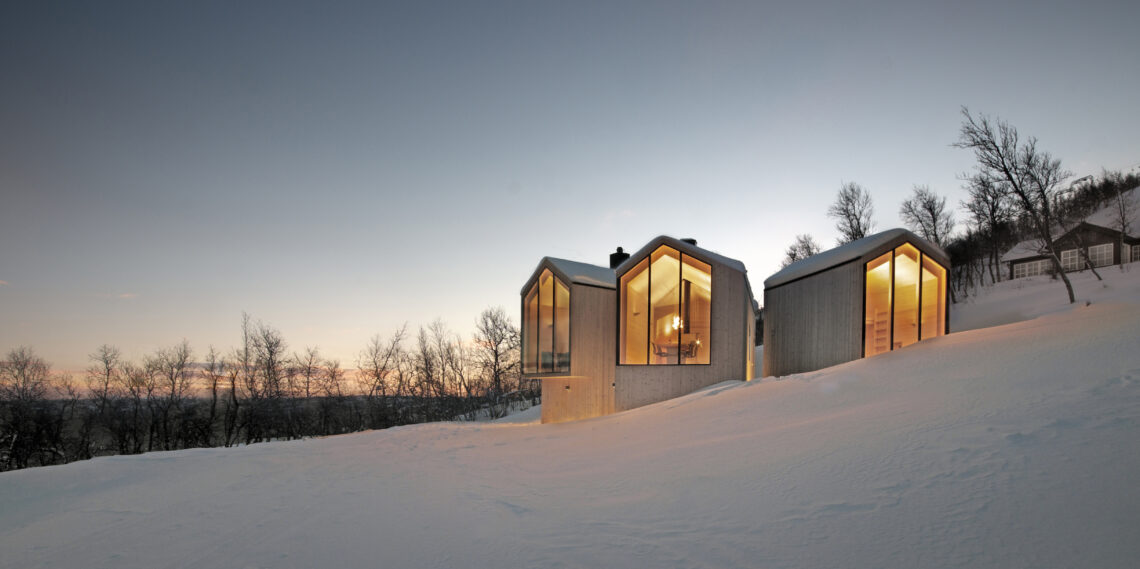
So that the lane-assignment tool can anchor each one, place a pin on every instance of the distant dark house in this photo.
(1098, 236)
(1101, 245)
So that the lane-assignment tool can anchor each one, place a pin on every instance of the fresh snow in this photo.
(839, 255)
(1005, 447)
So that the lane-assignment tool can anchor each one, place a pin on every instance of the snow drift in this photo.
(1008, 446)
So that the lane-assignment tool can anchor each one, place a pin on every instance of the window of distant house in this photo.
(1135, 253)
(665, 310)
(1070, 260)
(1100, 255)
(546, 326)
(905, 300)
(1031, 269)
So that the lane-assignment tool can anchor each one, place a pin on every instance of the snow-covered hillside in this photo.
(1010, 446)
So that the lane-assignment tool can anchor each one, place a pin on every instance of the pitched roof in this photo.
(683, 247)
(1108, 217)
(575, 273)
(846, 253)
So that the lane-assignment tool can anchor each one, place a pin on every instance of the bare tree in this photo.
(23, 388)
(496, 353)
(925, 213)
(991, 212)
(803, 247)
(214, 375)
(172, 368)
(1031, 177)
(1123, 211)
(852, 212)
(376, 363)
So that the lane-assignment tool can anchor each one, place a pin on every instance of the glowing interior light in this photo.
(677, 322)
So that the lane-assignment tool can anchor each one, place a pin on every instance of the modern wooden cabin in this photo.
(669, 320)
(568, 337)
(685, 320)
(870, 296)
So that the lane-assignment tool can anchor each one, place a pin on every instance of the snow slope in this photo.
(1011, 446)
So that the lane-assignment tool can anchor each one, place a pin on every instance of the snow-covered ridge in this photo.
(1007, 446)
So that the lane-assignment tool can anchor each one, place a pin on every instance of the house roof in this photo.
(681, 246)
(849, 252)
(1107, 216)
(574, 272)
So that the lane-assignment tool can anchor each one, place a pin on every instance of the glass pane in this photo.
(696, 311)
(665, 306)
(561, 326)
(933, 299)
(530, 330)
(906, 296)
(634, 293)
(1070, 260)
(546, 321)
(877, 315)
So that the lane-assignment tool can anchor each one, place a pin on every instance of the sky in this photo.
(339, 169)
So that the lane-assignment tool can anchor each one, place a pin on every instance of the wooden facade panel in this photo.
(732, 317)
(814, 322)
(588, 390)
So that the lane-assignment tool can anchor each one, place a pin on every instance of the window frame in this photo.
(621, 325)
(1096, 254)
(922, 256)
(527, 332)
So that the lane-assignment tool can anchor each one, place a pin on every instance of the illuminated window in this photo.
(905, 300)
(933, 299)
(546, 326)
(906, 296)
(666, 310)
(877, 321)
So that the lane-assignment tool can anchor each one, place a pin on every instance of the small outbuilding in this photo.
(666, 321)
(873, 295)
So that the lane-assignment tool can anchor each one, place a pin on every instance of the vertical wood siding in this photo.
(814, 322)
(588, 390)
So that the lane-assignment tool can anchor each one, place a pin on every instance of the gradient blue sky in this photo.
(339, 168)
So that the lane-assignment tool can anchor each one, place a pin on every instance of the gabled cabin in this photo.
(1101, 245)
(671, 319)
(873, 295)
(685, 320)
(568, 337)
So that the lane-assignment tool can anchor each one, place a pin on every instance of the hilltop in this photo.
(1010, 443)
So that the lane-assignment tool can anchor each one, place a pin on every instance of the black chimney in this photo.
(690, 241)
(618, 258)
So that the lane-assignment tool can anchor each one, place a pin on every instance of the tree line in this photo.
(1016, 192)
(258, 391)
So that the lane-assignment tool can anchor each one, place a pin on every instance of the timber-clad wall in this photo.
(814, 322)
(639, 385)
(817, 321)
(592, 340)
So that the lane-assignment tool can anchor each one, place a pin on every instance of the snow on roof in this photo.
(1107, 216)
(843, 254)
(682, 246)
(1103, 217)
(583, 273)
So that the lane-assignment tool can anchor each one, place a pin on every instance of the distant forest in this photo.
(256, 392)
